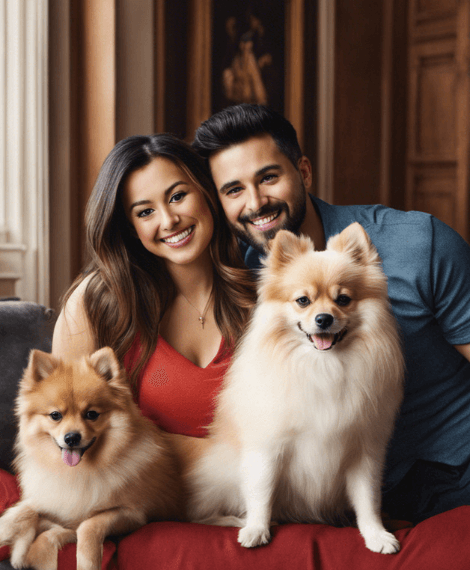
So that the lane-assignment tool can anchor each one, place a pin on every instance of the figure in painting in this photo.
(242, 80)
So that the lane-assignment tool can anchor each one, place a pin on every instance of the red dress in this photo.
(175, 393)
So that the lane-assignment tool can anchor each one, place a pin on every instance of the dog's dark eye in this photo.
(343, 300)
(92, 415)
(303, 301)
(56, 416)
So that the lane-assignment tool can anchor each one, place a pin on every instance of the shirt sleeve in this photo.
(450, 282)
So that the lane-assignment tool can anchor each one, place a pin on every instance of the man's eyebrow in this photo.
(166, 193)
(258, 173)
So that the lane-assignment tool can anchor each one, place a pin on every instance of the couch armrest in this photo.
(23, 326)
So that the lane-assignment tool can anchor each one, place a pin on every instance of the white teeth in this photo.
(178, 237)
(264, 221)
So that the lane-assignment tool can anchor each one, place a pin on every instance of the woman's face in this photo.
(168, 212)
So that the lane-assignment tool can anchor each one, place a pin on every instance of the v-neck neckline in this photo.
(173, 349)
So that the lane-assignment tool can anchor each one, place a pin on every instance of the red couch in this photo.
(441, 542)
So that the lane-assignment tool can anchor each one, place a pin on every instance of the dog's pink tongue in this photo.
(71, 458)
(323, 342)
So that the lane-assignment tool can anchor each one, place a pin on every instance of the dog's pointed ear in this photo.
(355, 241)
(40, 366)
(105, 363)
(285, 246)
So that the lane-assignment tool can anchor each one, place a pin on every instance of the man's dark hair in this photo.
(239, 123)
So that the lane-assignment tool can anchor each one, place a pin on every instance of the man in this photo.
(262, 180)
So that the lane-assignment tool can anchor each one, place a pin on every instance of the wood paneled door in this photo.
(437, 169)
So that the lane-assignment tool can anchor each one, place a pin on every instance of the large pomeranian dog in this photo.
(309, 403)
(89, 463)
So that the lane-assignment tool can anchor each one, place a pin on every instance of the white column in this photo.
(24, 224)
(3, 72)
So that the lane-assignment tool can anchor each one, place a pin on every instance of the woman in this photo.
(165, 286)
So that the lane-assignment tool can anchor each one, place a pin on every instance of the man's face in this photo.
(260, 189)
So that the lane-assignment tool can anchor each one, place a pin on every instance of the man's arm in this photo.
(464, 349)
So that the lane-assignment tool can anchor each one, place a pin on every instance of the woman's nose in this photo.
(169, 219)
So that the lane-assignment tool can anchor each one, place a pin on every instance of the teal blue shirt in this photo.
(428, 269)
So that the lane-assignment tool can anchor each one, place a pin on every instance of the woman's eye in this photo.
(145, 213)
(177, 197)
(303, 302)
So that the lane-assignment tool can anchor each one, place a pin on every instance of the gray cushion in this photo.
(23, 326)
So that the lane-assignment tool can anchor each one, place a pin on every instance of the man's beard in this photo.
(292, 223)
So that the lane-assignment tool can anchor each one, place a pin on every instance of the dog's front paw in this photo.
(383, 542)
(20, 547)
(18, 530)
(250, 536)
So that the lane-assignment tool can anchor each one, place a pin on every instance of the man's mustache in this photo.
(262, 213)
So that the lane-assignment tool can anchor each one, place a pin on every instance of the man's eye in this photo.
(269, 177)
(145, 213)
(233, 191)
(177, 197)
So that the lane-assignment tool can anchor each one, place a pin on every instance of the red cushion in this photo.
(68, 557)
(10, 494)
(439, 542)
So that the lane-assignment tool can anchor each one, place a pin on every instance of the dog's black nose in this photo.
(324, 320)
(72, 439)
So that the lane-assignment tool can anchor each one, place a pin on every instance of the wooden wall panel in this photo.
(438, 107)
(432, 101)
(434, 191)
(424, 7)
(357, 102)
(98, 112)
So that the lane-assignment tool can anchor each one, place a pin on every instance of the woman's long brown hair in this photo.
(130, 289)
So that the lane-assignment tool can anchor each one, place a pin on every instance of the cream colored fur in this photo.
(300, 434)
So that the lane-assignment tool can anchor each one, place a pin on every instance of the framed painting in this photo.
(249, 51)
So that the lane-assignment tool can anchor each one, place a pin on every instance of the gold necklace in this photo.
(202, 317)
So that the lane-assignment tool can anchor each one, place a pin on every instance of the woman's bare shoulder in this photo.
(73, 335)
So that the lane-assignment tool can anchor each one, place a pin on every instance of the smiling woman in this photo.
(168, 213)
(165, 283)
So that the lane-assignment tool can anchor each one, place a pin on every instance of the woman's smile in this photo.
(179, 239)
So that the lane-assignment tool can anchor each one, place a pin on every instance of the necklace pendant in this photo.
(202, 320)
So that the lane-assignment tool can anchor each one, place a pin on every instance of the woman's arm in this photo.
(73, 336)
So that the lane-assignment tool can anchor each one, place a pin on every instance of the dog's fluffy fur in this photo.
(309, 403)
(119, 475)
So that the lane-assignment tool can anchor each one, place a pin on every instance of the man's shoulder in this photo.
(369, 214)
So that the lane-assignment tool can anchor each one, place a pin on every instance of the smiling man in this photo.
(263, 182)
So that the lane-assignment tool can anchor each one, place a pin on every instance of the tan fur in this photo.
(300, 434)
(127, 477)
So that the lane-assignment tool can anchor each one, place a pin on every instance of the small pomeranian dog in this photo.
(309, 403)
(90, 465)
